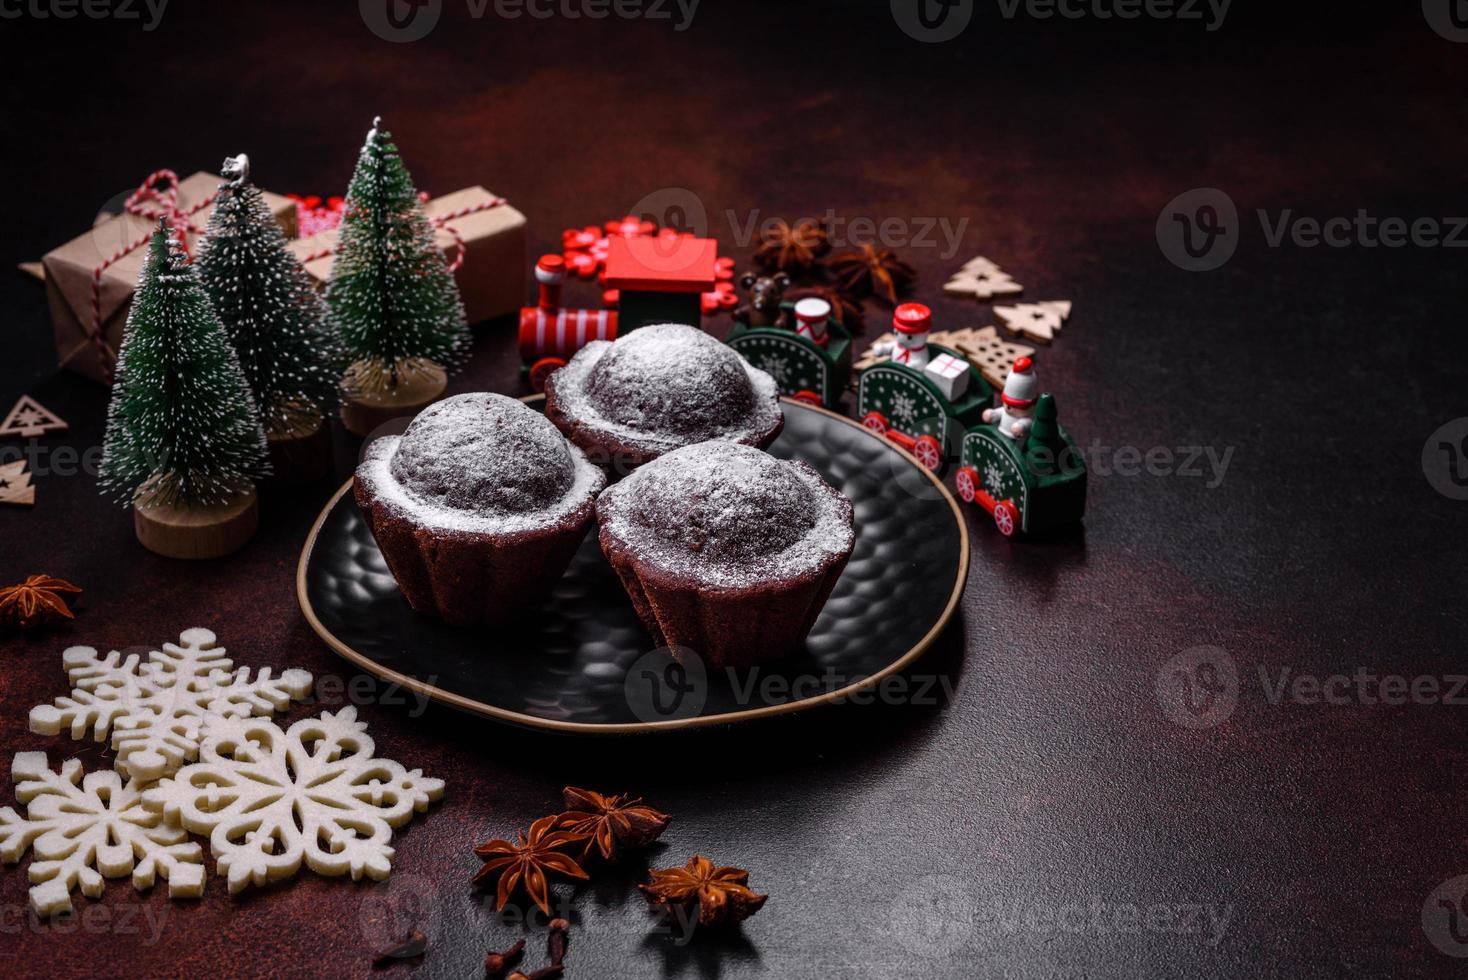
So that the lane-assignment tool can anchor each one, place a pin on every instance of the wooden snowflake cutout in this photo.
(270, 800)
(156, 710)
(983, 280)
(84, 829)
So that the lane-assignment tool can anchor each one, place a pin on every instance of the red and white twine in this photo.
(439, 222)
(156, 197)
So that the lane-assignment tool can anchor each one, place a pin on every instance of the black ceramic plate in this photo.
(581, 660)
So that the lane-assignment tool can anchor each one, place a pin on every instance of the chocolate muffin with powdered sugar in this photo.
(660, 387)
(726, 550)
(478, 507)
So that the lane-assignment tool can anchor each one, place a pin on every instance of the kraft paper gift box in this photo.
(491, 274)
(69, 272)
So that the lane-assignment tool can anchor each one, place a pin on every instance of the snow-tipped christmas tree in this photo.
(272, 314)
(182, 430)
(392, 297)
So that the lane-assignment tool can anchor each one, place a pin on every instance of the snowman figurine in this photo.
(911, 324)
(1021, 390)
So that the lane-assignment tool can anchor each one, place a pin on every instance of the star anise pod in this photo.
(526, 862)
(791, 248)
(36, 601)
(722, 895)
(846, 308)
(610, 822)
(871, 271)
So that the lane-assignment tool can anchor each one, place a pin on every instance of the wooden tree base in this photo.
(416, 390)
(301, 455)
(198, 532)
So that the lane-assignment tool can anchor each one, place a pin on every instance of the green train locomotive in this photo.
(810, 359)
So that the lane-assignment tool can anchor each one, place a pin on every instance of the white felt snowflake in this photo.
(269, 799)
(776, 368)
(904, 408)
(87, 828)
(156, 709)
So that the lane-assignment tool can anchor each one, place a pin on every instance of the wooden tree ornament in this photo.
(15, 485)
(1036, 321)
(29, 418)
(981, 279)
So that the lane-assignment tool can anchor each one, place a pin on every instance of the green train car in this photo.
(906, 406)
(1028, 487)
(802, 369)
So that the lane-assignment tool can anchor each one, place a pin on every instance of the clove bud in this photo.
(558, 941)
(495, 964)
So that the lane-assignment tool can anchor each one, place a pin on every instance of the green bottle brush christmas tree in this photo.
(393, 300)
(274, 317)
(184, 443)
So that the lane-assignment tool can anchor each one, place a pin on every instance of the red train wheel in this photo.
(807, 397)
(967, 481)
(929, 452)
(875, 421)
(1006, 518)
(543, 369)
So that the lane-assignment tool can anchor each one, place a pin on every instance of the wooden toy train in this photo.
(1015, 461)
(649, 279)
(801, 345)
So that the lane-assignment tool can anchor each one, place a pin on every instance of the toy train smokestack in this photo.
(550, 273)
(549, 334)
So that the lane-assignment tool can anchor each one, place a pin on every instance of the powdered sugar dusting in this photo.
(667, 385)
(480, 463)
(728, 514)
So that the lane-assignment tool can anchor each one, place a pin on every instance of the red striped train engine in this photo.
(550, 334)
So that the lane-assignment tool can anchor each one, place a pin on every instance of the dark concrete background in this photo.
(1033, 826)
